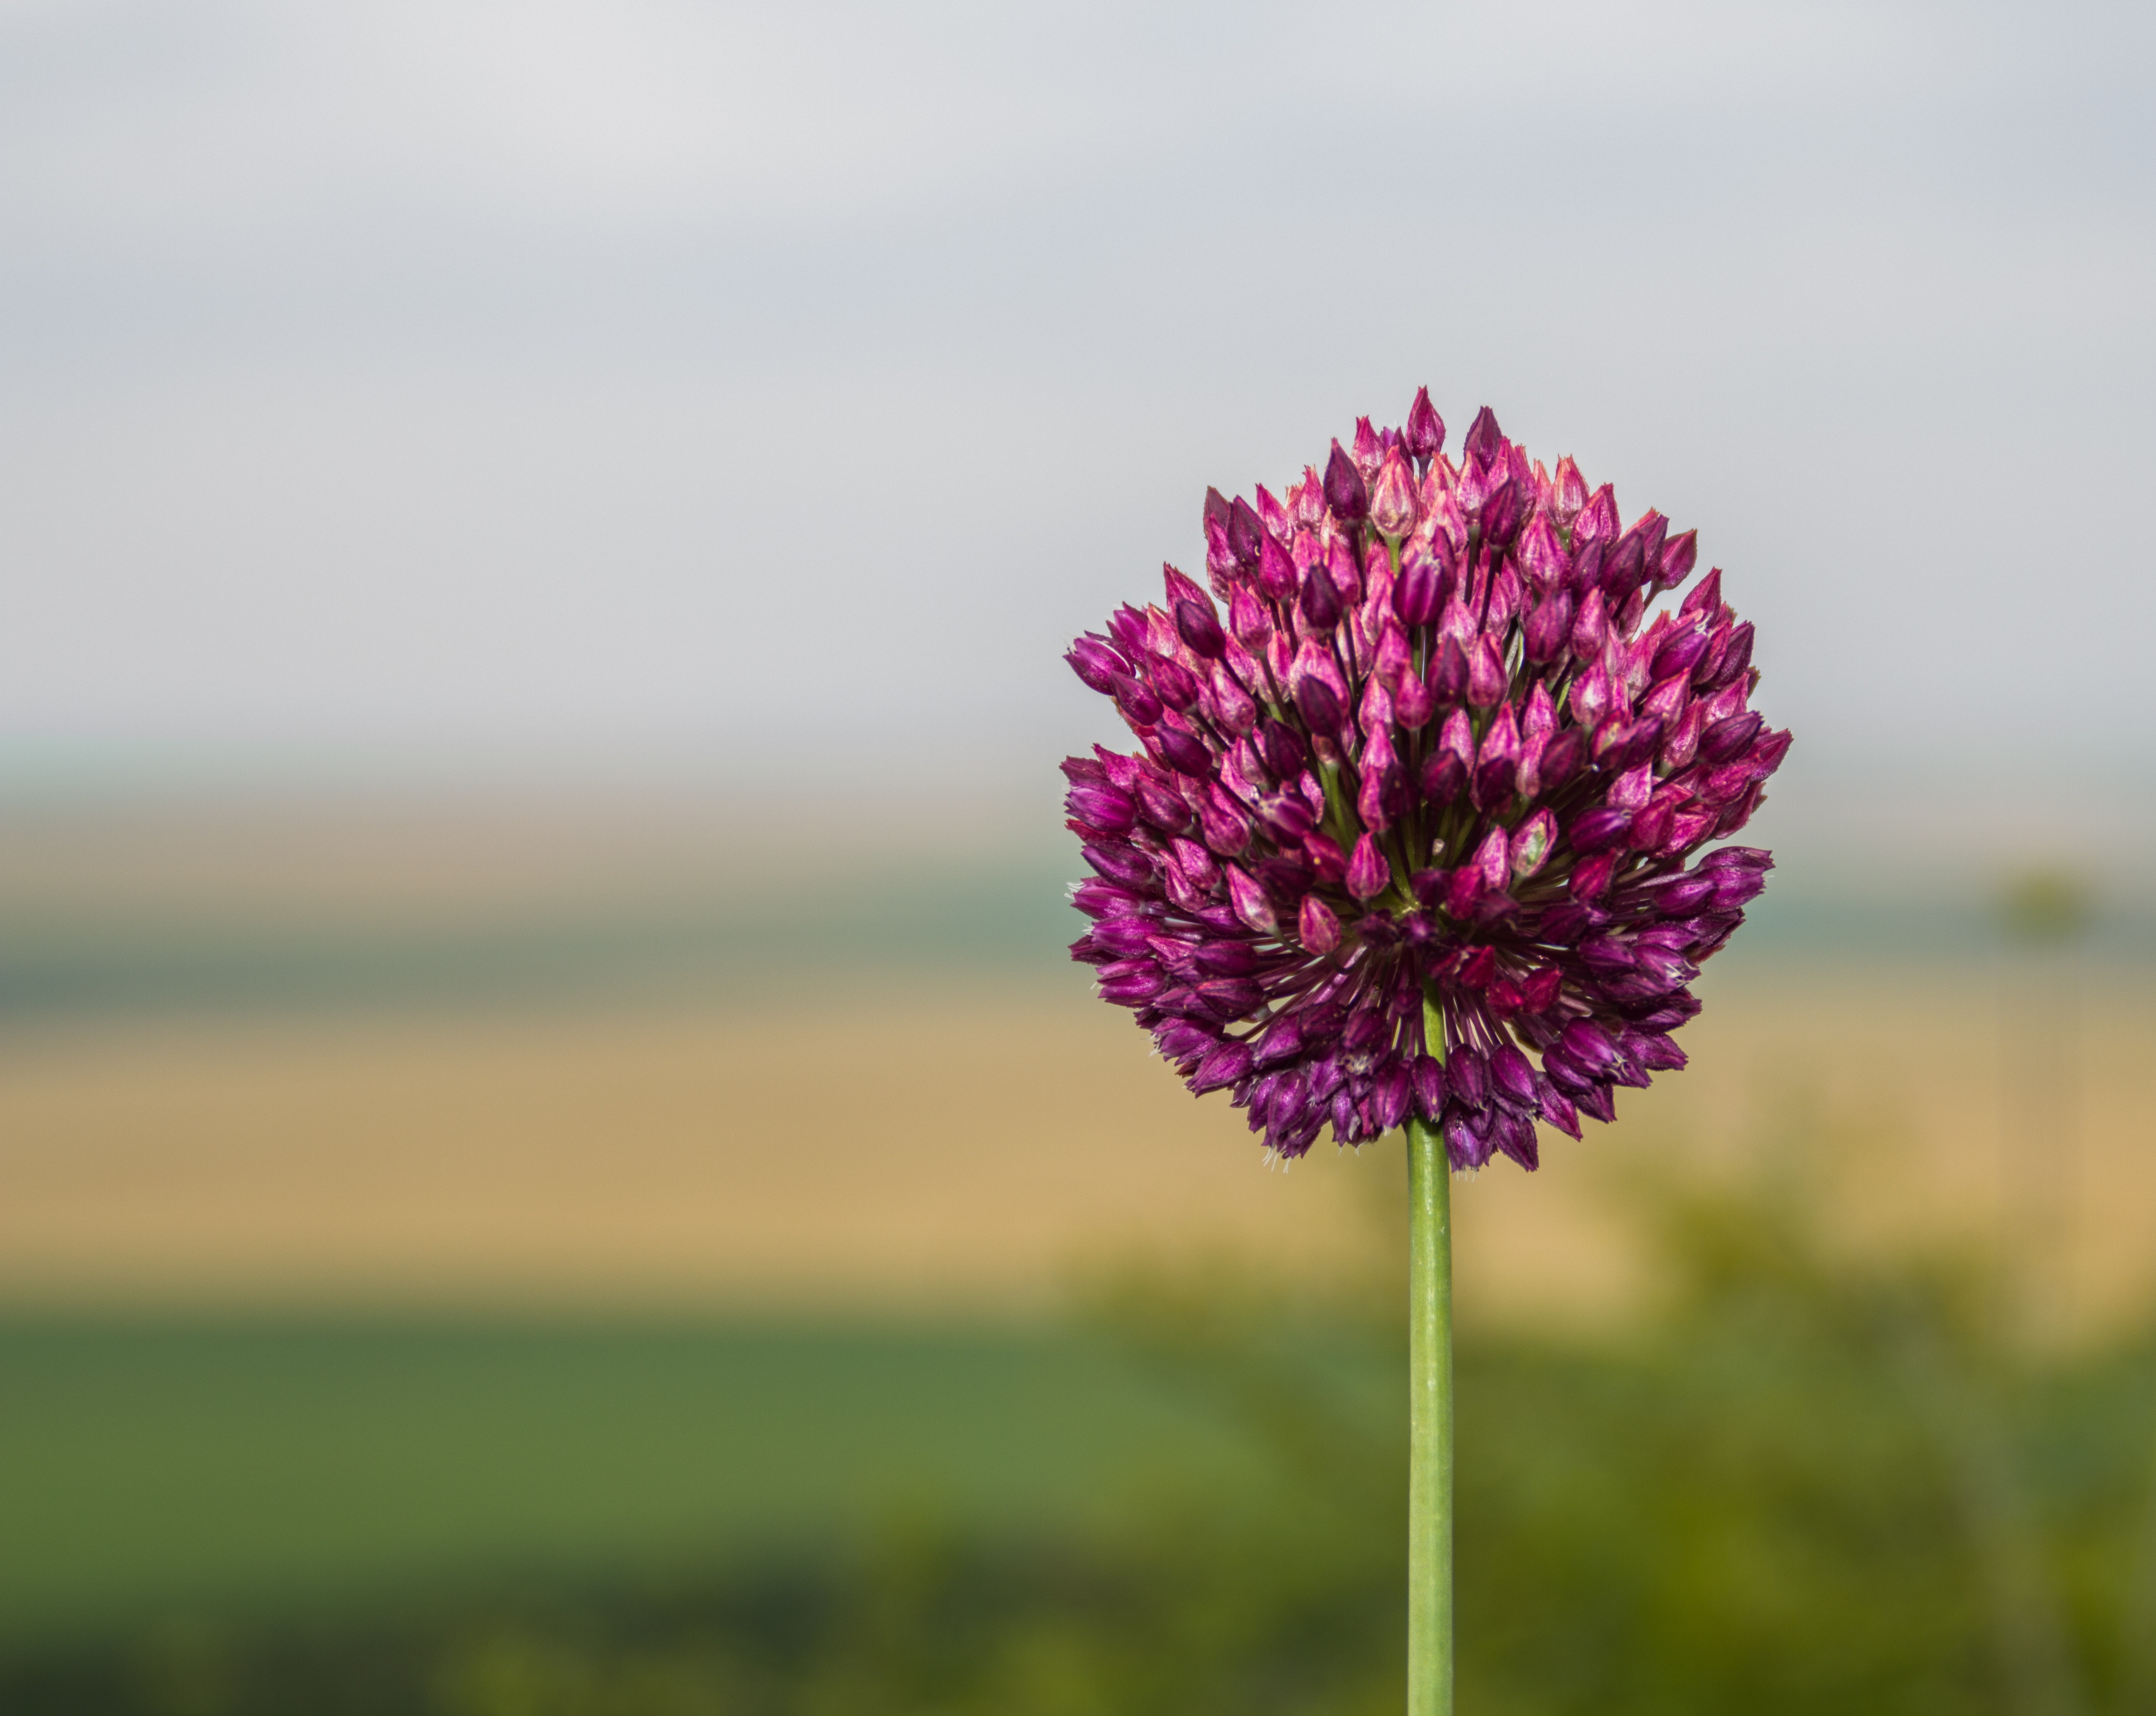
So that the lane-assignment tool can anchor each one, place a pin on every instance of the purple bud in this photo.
(1486, 673)
(1548, 628)
(1107, 809)
(1589, 1045)
(1542, 556)
(1449, 672)
(1282, 748)
(1140, 707)
(1731, 661)
(1468, 1078)
(1225, 1066)
(1590, 626)
(1562, 757)
(1368, 875)
(1424, 434)
(1679, 655)
(1486, 441)
(1250, 901)
(1428, 1087)
(1277, 572)
(1680, 554)
(1419, 588)
(1199, 627)
(1444, 777)
(1226, 829)
(1316, 927)
(1706, 595)
(1533, 841)
(1322, 710)
(1184, 752)
(1173, 684)
(1095, 661)
(1414, 705)
(1123, 864)
(1728, 738)
(1391, 1091)
(1594, 830)
(1245, 532)
(1344, 490)
(1514, 1079)
(1514, 1135)
(1393, 500)
(1320, 692)
(1494, 782)
(1321, 601)
(1502, 512)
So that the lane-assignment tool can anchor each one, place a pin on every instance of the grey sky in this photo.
(755, 385)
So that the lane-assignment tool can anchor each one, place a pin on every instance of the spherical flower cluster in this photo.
(1408, 830)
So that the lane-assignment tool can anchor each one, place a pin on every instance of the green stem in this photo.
(1430, 1423)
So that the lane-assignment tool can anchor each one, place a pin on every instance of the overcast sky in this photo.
(780, 387)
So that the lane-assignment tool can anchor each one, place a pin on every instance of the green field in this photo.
(149, 1469)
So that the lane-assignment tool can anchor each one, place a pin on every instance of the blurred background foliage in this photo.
(1809, 1481)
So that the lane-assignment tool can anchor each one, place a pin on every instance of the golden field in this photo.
(983, 1143)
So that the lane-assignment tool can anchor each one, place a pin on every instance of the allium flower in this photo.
(1411, 829)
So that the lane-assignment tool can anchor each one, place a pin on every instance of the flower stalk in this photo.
(1430, 1423)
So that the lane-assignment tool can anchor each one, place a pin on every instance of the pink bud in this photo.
(1493, 859)
(1412, 704)
(1275, 568)
(1393, 499)
(1590, 628)
(1542, 557)
(1250, 901)
(1368, 875)
(1426, 429)
(1532, 842)
(1316, 927)
(1486, 673)
(1567, 492)
(1368, 453)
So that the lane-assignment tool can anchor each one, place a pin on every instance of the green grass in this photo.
(206, 1468)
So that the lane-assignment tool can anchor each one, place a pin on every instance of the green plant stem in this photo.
(1430, 1423)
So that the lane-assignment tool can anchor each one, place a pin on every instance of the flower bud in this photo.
(1568, 493)
(1344, 490)
(1140, 707)
(1368, 875)
(1095, 661)
(1319, 691)
(1245, 532)
(1199, 627)
(1415, 594)
(1250, 901)
(1562, 757)
(1532, 843)
(1594, 830)
(1173, 684)
(1590, 626)
(1706, 595)
(1393, 499)
(1542, 556)
(1486, 673)
(1486, 441)
(1413, 705)
(1548, 628)
(1728, 738)
(1426, 429)
(1369, 449)
(1184, 752)
(1679, 556)
(1321, 602)
(1316, 927)
(1227, 703)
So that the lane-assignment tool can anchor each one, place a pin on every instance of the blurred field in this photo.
(975, 1145)
(398, 1206)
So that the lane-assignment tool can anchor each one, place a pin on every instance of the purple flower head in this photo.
(1419, 825)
